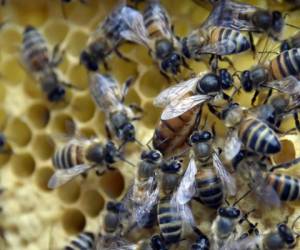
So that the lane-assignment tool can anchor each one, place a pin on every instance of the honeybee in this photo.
(182, 113)
(279, 70)
(245, 17)
(110, 99)
(143, 195)
(209, 180)
(80, 156)
(173, 215)
(36, 59)
(246, 129)
(85, 240)
(107, 38)
(154, 30)
(215, 40)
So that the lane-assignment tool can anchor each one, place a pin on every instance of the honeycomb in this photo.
(35, 217)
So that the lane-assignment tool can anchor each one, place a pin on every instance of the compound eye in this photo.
(205, 136)
(222, 211)
(195, 137)
(155, 155)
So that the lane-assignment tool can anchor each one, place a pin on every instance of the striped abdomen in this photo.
(209, 188)
(287, 187)
(84, 241)
(34, 50)
(259, 137)
(285, 64)
(171, 135)
(156, 21)
(169, 221)
(68, 156)
(219, 34)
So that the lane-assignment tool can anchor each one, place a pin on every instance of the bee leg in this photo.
(106, 67)
(120, 55)
(126, 87)
(286, 165)
(136, 118)
(57, 56)
(252, 44)
(213, 62)
(198, 119)
(110, 168)
(213, 110)
(107, 130)
(268, 96)
(136, 108)
(254, 97)
(185, 64)
(297, 121)
(226, 59)
(165, 76)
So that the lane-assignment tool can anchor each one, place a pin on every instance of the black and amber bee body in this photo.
(169, 220)
(292, 42)
(287, 187)
(171, 135)
(258, 136)
(209, 188)
(285, 64)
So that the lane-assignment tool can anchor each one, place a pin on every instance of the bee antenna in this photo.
(292, 26)
(148, 142)
(128, 162)
(227, 202)
(242, 197)
(293, 226)
(286, 164)
(138, 142)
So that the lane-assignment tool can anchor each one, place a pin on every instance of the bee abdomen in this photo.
(209, 188)
(222, 34)
(258, 137)
(68, 157)
(35, 51)
(286, 186)
(84, 241)
(285, 64)
(169, 221)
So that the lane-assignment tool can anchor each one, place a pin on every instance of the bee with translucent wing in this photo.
(80, 156)
(142, 196)
(107, 37)
(109, 98)
(37, 60)
(154, 30)
(183, 105)
(212, 180)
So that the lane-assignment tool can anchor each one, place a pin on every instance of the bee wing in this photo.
(186, 215)
(288, 85)
(247, 243)
(226, 13)
(117, 243)
(62, 176)
(264, 192)
(178, 107)
(104, 91)
(224, 47)
(175, 92)
(225, 176)
(233, 145)
(187, 189)
(142, 212)
(136, 31)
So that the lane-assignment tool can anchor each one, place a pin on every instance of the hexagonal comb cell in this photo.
(92, 202)
(69, 192)
(83, 108)
(42, 176)
(44, 146)
(38, 115)
(18, 132)
(23, 165)
(73, 221)
(112, 183)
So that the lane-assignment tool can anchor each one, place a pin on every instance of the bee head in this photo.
(152, 156)
(172, 63)
(127, 132)
(225, 78)
(171, 167)
(29, 28)
(246, 81)
(229, 212)
(110, 153)
(111, 222)
(56, 94)
(157, 242)
(277, 21)
(164, 48)
(88, 61)
(284, 46)
(200, 136)
(286, 234)
(115, 207)
(95, 153)
(280, 103)
(262, 19)
(209, 84)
